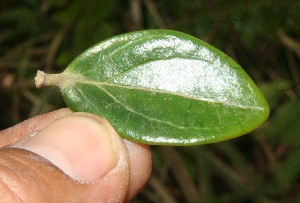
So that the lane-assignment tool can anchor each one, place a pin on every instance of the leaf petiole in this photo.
(45, 79)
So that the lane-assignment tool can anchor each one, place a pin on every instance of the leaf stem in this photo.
(44, 79)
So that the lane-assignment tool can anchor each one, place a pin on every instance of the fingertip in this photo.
(87, 149)
(80, 144)
(140, 166)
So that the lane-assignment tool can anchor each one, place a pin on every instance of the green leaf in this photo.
(162, 87)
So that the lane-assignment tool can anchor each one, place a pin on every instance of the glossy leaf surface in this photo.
(164, 87)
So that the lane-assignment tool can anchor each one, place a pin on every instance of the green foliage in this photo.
(19, 23)
(169, 88)
(261, 35)
(290, 113)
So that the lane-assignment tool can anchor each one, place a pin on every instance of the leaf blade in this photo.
(165, 87)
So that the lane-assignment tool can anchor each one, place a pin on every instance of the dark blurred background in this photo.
(263, 36)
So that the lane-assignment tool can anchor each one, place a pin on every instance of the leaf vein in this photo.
(101, 84)
(140, 114)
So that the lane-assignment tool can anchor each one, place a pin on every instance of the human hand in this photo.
(70, 157)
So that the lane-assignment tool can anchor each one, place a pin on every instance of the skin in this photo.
(64, 168)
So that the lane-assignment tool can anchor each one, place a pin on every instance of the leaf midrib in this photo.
(80, 79)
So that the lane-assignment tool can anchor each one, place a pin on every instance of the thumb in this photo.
(78, 157)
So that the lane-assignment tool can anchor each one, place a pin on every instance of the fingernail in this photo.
(83, 146)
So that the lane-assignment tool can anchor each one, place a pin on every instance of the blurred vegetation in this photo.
(263, 36)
